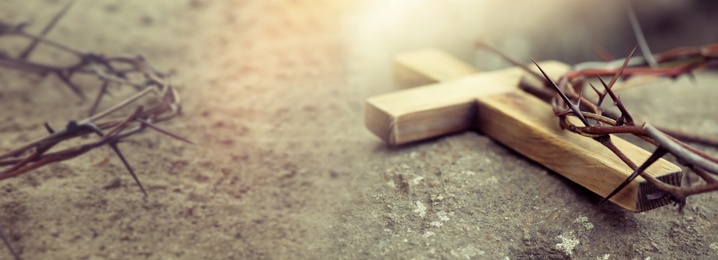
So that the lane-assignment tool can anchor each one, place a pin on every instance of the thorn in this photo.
(625, 115)
(7, 244)
(564, 113)
(657, 154)
(71, 85)
(601, 96)
(49, 128)
(26, 53)
(170, 134)
(484, 44)
(640, 38)
(576, 111)
(114, 147)
(620, 70)
(594, 89)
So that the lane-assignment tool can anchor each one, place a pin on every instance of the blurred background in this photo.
(563, 30)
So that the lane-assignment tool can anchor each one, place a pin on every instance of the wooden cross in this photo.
(492, 103)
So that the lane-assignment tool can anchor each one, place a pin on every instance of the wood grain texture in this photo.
(492, 103)
(438, 109)
(527, 125)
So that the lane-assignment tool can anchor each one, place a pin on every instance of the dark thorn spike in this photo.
(563, 113)
(620, 70)
(114, 147)
(647, 55)
(7, 244)
(509, 59)
(163, 131)
(49, 128)
(594, 89)
(657, 154)
(601, 96)
(26, 53)
(617, 101)
(576, 111)
(71, 85)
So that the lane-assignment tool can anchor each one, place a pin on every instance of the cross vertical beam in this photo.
(491, 103)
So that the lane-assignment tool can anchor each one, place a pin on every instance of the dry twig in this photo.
(110, 127)
(566, 97)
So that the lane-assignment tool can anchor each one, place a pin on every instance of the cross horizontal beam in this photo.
(491, 103)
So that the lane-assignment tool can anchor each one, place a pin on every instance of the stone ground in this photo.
(283, 168)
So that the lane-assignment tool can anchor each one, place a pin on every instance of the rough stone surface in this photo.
(273, 95)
